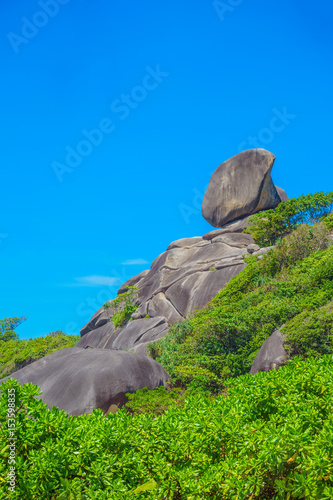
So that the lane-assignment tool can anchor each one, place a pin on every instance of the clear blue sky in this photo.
(174, 88)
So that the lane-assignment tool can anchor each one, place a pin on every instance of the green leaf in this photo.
(150, 485)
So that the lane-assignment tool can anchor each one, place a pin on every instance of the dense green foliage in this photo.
(15, 354)
(270, 225)
(124, 306)
(291, 285)
(7, 327)
(216, 432)
(155, 402)
(269, 437)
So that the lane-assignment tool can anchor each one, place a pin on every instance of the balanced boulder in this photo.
(239, 187)
(193, 270)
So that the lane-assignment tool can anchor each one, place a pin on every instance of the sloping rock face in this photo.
(182, 279)
(239, 187)
(134, 336)
(271, 354)
(79, 380)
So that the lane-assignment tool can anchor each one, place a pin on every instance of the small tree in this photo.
(7, 327)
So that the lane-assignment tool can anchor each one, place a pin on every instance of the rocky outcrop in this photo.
(181, 280)
(98, 372)
(271, 354)
(239, 187)
(79, 380)
(192, 271)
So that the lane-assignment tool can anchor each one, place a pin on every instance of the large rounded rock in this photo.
(239, 187)
(80, 380)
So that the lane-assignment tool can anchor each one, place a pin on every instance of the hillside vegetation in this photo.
(270, 436)
(292, 285)
(15, 354)
(216, 432)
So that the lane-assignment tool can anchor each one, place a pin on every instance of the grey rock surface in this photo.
(127, 337)
(100, 318)
(233, 227)
(98, 337)
(281, 192)
(238, 240)
(239, 187)
(271, 354)
(253, 248)
(184, 242)
(138, 332)
(181, 280)
(79, 380)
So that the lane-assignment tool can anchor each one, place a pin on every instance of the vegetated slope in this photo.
(15, 354)
(292, 285)
(270, 436)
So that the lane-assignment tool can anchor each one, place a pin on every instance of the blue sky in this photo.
(114, 116)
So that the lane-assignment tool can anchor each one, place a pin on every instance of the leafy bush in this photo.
(310, 332)
(222, 340)
(124, 306)
(301, 243)
(154, 402)
(16, 354)
(7, 327)
(267, 226)
(120, 317)
(328, 221)
(269, 437)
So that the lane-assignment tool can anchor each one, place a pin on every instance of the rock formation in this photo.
(241, 186)
(182, 279)
(98, 372)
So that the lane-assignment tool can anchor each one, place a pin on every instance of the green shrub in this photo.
(154, 402)
(328, 221)
(123, 306)
(301, 243)
(267, 226)
(123, 315)
(269, 437)
(16, 354)
(7, 327)
(310, 332)
(166, 348)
